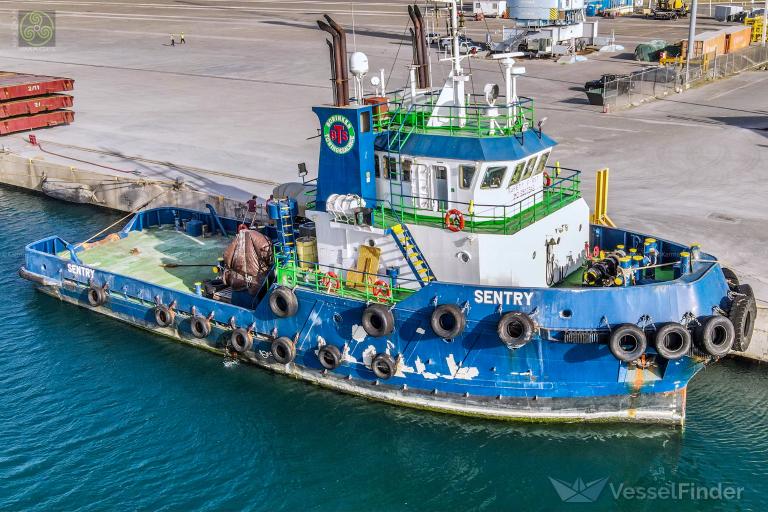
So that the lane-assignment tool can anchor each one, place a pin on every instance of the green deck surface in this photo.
(141, 254)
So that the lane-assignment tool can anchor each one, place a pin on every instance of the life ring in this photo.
(331, 281)
(672, 341)
(742, 314)
(378, 320)
(283, 302)
(241, 340)
(628, 342)
(97, 296)
(200, 326)
(454, 220)
(547, 180)
(329, 357)
(515, 329)
(596, 252)
(715, 335)
(381, 290)
(164, 315)
(448, 321)
(383, 366)
(283, 350)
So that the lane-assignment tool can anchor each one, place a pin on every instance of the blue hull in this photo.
(550, 378)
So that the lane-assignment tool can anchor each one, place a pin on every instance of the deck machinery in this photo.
(442, 262)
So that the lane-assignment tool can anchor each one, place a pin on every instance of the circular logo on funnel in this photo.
(339, 134)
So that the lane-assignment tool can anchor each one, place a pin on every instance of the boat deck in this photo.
(142, 254)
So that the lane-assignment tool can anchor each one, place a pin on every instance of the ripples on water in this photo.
(97, 415)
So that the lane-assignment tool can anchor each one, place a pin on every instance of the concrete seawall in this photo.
(128, 193)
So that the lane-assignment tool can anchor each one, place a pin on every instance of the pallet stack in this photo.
(31, 101)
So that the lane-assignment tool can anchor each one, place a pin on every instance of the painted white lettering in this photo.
(487, 297)
(528, 297)
(479, 296)
(498, 297)
(517, 299)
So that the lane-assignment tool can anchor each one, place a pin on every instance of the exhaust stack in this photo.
(419, 45)
(339, 70)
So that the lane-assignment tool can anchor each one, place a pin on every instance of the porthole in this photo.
(566, 313)
(464, 256)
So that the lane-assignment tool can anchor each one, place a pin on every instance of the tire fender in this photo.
(628, 334)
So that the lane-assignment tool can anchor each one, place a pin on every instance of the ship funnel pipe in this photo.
(417, 34)
(422, 42)
(337, 63)
(343, 71)
(335, 87)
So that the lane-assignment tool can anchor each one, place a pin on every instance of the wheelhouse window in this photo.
(517, 174)
(542, 163)
(390, 168)
(406, 168)
(529, 168)
(493, 177)
(466, 175)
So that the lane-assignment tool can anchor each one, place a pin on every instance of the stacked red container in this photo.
(32, 101)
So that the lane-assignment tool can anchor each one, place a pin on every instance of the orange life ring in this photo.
(381, 290)
(547, 180)
(331, 281)
(596, 252)
(454, 220)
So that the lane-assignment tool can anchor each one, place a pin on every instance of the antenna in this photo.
(354, 36)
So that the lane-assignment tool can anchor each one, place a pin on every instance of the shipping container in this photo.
(34, 105)
(23, 123)
(710, 42)
(727, 12)
(737, 37)
(19, 85)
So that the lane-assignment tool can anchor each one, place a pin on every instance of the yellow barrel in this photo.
(306, 248)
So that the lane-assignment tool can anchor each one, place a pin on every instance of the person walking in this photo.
(181, 39)
(173, 40)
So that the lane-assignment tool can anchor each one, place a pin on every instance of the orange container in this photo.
(707, 42)
(737, 37)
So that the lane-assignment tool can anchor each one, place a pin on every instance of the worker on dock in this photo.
(181, 39)
(173, 40)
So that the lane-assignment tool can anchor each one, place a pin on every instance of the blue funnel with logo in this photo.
(346, 153)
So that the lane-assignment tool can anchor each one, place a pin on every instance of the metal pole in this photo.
(765, 21)
(691, 42)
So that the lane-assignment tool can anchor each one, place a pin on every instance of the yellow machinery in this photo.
(757, 27)
(600, 215)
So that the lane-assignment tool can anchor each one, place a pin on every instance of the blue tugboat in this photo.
(438, 261)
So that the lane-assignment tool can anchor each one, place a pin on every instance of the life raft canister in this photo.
(628, 342)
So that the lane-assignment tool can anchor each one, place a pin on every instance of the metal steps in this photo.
(413, 255)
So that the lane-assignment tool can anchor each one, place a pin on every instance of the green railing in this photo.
(476, 119)
(336, 281)
(482, 218)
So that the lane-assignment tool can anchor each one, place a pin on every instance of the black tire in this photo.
(742, 315)
(673, 341)
(200, 326)
(241, 340)
(448, 321)
(164, 315)
(745, 289)
(515, 329)
(283, 350)
(731, 278)
(628, 342)
(96, 296)
(329, 357)
(283, 302)
(378, 320)
(715, 335)
(383, 366)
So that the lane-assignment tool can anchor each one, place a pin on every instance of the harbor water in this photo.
(99, 415)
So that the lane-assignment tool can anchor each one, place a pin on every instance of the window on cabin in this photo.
(390, 168)
(517, 174)
(376, 167)
(441, 172)
(365, 122)
(466, 175)
(406, 168)
(542, 163)
(493, 177)
(529, 168)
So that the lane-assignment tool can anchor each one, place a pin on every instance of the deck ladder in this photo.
(413, 255)
(285, 232)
